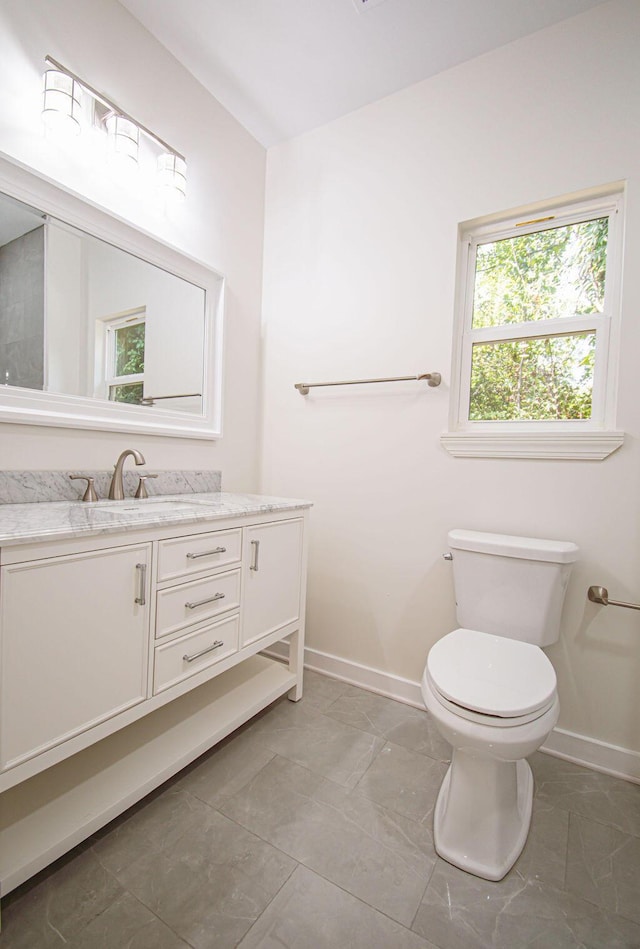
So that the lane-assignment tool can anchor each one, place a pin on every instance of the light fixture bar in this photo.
(113, 107)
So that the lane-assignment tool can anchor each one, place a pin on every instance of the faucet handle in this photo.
(142, 488)
(90, 493)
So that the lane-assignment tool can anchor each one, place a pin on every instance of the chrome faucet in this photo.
(116, 491)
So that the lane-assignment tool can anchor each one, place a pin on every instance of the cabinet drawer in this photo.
(189, 654)
(196, 601)
(187, 555)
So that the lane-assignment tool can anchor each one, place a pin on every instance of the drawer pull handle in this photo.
(256, 554)
(207, 553)
(142, 589)
(209, 599)
(203, 652)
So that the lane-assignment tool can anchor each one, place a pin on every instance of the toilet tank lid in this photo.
(506, 545)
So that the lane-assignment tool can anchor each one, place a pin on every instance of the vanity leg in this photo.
(296, 660)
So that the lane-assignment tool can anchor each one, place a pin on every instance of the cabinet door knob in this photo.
(256, 554)
(207, 553)
(203, 652)
(142, 589)
(209, 599)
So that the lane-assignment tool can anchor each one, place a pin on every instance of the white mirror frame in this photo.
(33, 407)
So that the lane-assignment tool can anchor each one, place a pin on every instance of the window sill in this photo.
(573, 446)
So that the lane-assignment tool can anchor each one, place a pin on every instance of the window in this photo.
(125, 343)
(535, 344)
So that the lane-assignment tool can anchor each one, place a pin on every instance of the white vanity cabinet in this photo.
(127, 654)
(75, 637)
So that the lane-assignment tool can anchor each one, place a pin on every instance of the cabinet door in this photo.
(272, 569)
(74, 645)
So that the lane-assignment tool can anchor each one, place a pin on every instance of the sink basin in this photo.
(133, 508)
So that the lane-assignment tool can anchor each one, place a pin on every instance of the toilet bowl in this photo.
(493, 697)
(483, 810)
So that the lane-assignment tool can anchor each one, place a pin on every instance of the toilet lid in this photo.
(491, 674)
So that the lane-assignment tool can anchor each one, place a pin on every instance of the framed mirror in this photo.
(101, 326)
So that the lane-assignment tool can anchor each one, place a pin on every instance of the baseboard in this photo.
(382, 683)
(588, 752)
(598, 755)
(365, 677)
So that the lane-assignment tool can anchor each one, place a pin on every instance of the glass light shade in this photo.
(172, 173)
(62, 105)
(124, 138)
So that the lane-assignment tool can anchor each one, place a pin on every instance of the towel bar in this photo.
(432, 378)
(601, 595)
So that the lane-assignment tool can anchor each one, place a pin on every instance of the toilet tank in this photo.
(511, 586)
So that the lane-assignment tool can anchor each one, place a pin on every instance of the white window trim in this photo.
(589, 439)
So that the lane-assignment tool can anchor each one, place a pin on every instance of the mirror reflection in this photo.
(80, 317)
(21, 295)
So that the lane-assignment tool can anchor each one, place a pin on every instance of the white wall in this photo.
(220, 223)
(66, 309)
(361, 230)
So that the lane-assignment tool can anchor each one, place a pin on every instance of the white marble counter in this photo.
(60, 520)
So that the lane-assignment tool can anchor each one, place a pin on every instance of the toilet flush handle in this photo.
(447, 556)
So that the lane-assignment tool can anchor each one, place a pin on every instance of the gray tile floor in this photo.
(311, 828)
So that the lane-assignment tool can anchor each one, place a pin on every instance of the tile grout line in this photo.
(313, 869)
(284, 883)
(424, 893)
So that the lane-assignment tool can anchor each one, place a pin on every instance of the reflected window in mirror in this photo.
(124, 356)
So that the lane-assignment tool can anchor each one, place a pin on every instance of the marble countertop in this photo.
(61, 520)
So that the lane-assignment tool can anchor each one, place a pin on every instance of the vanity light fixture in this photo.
(124, 138)
(63, 105)
(172, 172)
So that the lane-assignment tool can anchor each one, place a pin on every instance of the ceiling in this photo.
(283, 67)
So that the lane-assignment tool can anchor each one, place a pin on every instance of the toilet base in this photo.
(482, 814)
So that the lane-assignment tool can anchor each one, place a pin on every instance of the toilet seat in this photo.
(491, 679)
(482, 719)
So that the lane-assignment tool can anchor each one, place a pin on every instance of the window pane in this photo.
(131, 393)
(129, 350)
(549, 274)
(533, 379)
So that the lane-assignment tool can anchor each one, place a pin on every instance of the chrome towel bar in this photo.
(432, 378)
(150, 399)
(601, 595)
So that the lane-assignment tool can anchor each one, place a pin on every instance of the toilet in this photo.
(492, 692)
